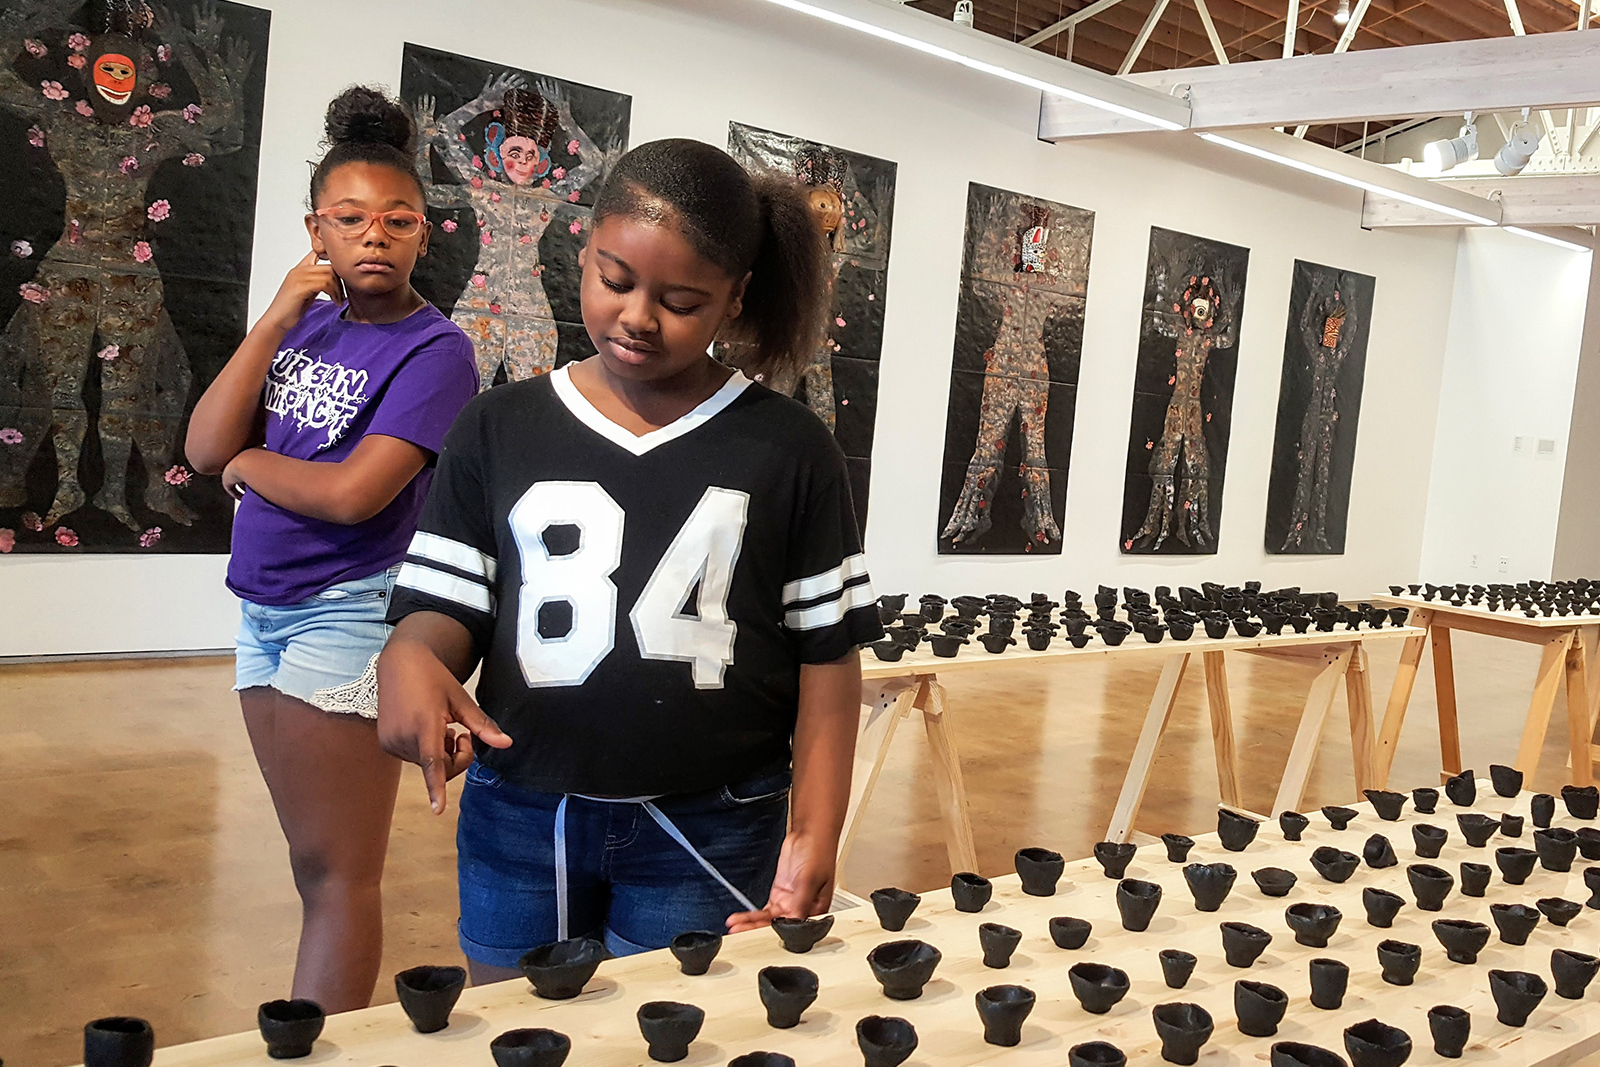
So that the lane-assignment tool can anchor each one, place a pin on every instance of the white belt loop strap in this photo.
(677, 835)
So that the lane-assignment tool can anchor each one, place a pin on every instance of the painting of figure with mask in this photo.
(130, 162)
(513, 161)
(1183, 394)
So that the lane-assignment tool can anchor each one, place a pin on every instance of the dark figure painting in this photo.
(1183, 395)
(131, 135)
(513, 162)
(1014, 376)
(853, 197)
(1319, 401)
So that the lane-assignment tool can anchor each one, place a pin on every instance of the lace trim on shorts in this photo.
(358, 697)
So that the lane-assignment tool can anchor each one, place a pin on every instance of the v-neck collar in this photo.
(639, 444)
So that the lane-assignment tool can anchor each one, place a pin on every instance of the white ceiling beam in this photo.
(1211, 31)
(1143, 38)
(1069, 22)
(1496, 74)
(1528, 201)
(1343, 44)
(1291, 23)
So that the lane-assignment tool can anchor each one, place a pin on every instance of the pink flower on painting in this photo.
(33, 292)
(544, 183)
(109, 353)
(872, 296)
(53, 91)
(494, 309)
(66, 538)
(84, 108)
(160, 211)
(141, 117)
(78, 42)
(8, 541)
(192, 113)
(177, 475)
(21, 249)
(477, 182)
(525, 239)
(544, 216)
(480, 282)
(36, 49)
(128, 164)
(538, 271)
(193, 159)
(160, 90)
(572, 197)
(141, 252)
(477, 162)
(838, 320)
(572, 147)
(559, 172)
(36, 136)
(486, 237)
(31, 521)
(149, 538)
(77, 62)
(448, 225)
(494, 198)
(10, 435)
(576, 226)
(164, 53)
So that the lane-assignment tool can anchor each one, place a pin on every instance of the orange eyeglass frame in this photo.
(368, 218)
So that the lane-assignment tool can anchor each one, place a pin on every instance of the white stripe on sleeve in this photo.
(446, 587)
(453, 553)
(827, 582)
(831, 613)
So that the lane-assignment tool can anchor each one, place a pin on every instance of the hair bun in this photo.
(362, 115)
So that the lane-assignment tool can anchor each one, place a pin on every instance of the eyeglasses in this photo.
(352, 222)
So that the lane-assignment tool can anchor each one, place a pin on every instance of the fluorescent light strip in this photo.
(1546, 238)
(1342, 179)
(974, 64)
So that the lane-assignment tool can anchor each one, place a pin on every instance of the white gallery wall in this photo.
(692, 66)
(1577, 552)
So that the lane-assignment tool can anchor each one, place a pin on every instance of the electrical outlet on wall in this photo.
(1474, 563)
(1505, 564)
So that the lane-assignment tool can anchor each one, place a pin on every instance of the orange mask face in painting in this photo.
(115, 77)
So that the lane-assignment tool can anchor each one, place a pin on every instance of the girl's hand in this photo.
(233, 479)
(802, 887)
(300, 287)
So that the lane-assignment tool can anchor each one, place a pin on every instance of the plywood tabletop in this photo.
(1513, 614)
(604, 1033)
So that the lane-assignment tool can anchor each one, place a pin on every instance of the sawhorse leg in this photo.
(888, 704)
(1579, 725)
(1358, 699)
(1144, 752)
(1552, 669)
(1444, 695)
(1318, 701)
(1394, 713)
(1222, 727)
(953, 807)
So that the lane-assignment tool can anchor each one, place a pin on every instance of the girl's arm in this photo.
(593, 158)
(824, 754)
(347, 492)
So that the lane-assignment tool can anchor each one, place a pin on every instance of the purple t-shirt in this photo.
(332, 383)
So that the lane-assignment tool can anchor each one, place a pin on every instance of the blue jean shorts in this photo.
(323, 650)
(629, 883)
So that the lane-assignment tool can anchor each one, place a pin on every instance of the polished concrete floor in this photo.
(142, 871)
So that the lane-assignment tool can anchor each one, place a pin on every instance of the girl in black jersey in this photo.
(656, 563)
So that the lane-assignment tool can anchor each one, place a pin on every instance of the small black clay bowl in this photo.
(1097, 986)
(1511, 826)
(1557, 847)
(1507, 780)
(1259, 1007)
(530, 1048)
(1210, 883)
(1182, 1028)
(1428, 839)
(1137, 901)
(885, 1041)
(1430, 885)
(889, 651)
(1039, 640)
(1541, 809)
(1588, 842)
(1329, 980)
(669, 1028)
(1399, 960)
(1573, 971)
(1339, 817)
(1516, 994)
(1376, 1044)
(903, 967)
(1515, 863)
(801, 935)
(970, 891)
(1381, 906)
(428, 993)
(1293, 824)
(1300, 1054)
(786, 993)
(1243, 944)
(998, 943)
(1591, 881)
(1378, 852)
(1474, 878)
(1582, 801)
(1334, 864)
(1178, 846)
(1114, 856)
(894, 907)
(1273, 881)
(1558, 910)
(1450, 1027)
(1078, 640)
(1514, 921)
(1002, 1010)
(1385, 803)
(561, 969)
(762, 1059)
(1312, 924)
(1040, 869)
(1477, 829)
(1462, 789)
(290, 1027)
(1424, 800)
(1236, 831)
(1069, 933)
(1096, 1054)
(695, 949)
(118, 1041)
(1176, 966)
(1462, 939)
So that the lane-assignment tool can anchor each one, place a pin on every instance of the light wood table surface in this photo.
(601, 1022)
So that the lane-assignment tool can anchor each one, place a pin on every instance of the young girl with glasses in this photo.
(325, 425)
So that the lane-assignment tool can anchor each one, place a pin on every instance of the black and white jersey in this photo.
(642, 605)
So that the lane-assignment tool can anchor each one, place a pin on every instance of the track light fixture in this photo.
(1341, 17)
(1519, 148)
(1463, 148)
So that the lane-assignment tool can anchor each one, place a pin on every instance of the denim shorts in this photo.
(629, 884)
(323, 650)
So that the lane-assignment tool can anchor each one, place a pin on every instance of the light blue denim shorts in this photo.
(323, 650)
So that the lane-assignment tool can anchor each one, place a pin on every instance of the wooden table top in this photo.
(604, 1033)
(1512, 615)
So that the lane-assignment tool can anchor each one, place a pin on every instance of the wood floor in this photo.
(142, 870)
